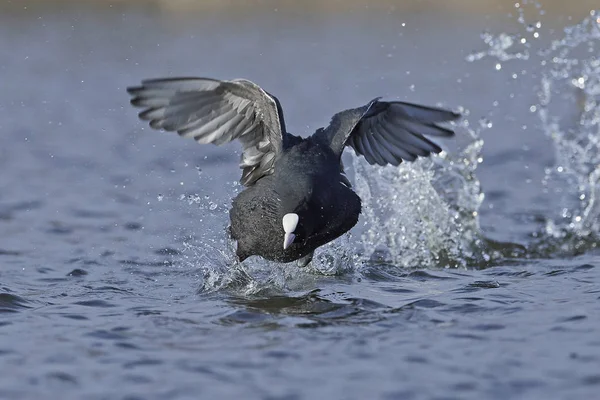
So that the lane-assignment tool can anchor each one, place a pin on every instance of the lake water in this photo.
(473, 275)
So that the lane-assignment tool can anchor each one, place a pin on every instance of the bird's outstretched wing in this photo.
(217, 112)
(388, 132)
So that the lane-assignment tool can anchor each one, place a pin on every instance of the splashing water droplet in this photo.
(498, 48)
(433, 223)
(572, 82)
(485, 123)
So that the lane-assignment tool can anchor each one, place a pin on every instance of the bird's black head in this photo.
(300, 213)
(299, 220)
(305, 177)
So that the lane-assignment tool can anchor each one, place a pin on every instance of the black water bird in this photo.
(297, 197)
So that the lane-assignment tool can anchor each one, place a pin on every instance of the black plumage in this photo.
(285, 174)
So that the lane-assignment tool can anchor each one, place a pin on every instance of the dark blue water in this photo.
(476, 275)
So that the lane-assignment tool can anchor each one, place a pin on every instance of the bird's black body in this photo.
(297, 197)
(307, 175)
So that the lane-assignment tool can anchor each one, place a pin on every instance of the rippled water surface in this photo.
(473, 275)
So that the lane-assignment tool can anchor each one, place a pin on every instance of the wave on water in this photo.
(426, 213)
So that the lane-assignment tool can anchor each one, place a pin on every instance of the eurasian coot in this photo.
(297, 197)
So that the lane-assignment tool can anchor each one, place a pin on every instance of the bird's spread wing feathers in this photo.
(389, 132)
(214, 111)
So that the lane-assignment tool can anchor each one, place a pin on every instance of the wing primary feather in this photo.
(365, 133)
(360, 149)
(384, 150)
(156, 124)
(152, 113)
(190, 128)
(436, 149)
(226, 130)
(382, 155)
(375, 151)
(422, 113)
(190, 121)
(397, 154)
(405, 149)
(407, 139)
(192, 101)
(398, 148)
(396, 135)
(152, 102)
(182, 84)
(368, 152)
(428, 129)
(207, 133)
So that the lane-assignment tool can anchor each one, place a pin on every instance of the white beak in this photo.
(288, 239)
(289, 222)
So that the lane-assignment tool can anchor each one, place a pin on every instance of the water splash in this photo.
(569, 112)
(424, 213)
(219, 270)
(499, 47)
(213, 260)
(571, 81)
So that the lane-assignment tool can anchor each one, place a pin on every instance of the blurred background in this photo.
(573, 9)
